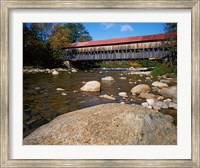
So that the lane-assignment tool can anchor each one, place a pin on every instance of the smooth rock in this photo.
(145, 95)
(161, 104)
(123, 78)
(106, 124)
(141, 88)
(123, 94)
(122, 102)
(144, 104)
(148, 78)
(107, 78)
(169, 92)
(37, 88)
(165, 81)
(74, 70)
(91, 86)
(159, 84)
(107, 97)
(169, 118)
(63, 94)
(55, 72)
(155, 107)
(60, 89)
(172, 105)
(150, 102)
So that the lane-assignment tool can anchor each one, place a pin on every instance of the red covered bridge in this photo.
(140, 47)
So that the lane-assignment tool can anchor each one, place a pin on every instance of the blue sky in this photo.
(101, 31)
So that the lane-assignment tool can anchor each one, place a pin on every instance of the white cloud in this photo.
(107, 25)
(126, 28)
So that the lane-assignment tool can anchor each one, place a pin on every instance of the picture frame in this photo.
(6, 5)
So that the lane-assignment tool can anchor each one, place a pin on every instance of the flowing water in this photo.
(42, 102)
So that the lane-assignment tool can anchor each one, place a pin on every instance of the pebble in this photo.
(37, 88)
(122, 78)
(123, 94)
(63, 94)
(60, 89)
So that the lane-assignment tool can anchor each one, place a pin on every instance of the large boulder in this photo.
(141, 88)
(169, 92)
(91, 86)
(106, 124)
(159, 84)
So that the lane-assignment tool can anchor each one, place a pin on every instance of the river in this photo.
(42, 102)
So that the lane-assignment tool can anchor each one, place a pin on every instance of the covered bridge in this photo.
(140, 47)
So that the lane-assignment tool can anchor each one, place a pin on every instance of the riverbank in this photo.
(47, 95)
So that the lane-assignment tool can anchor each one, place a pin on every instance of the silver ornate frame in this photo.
(194, 5)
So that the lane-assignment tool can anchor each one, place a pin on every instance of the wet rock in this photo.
(169, 92)
(123, 94)
(146, 95)
(159, 84)
(172, 105)
(148, 78)
(123, 78)
(161, 104)
(160, 97)
(155, 107)
(60, 89)
(106, 124)
(107, 78)
(165, 81)
(169, 118)
(74, 70)
(64, 94)
(144, 104)
(33, 120)
(55, 72)
(150, 102)
(107, 97)
(91, 86)
(141, 88)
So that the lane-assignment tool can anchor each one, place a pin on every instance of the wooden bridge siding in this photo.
(121, 51)
(120, 47)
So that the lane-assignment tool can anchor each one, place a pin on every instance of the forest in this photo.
(43, 42)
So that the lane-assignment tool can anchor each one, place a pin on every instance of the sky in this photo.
(102, 31)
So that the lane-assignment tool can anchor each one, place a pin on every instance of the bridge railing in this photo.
(119, 56)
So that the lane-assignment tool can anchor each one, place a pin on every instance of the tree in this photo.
(60, 37)
(43, 42)
(171, 44)
(78, 32)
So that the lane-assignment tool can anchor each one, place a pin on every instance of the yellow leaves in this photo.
(60, 37)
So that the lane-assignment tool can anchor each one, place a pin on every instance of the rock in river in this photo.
(123, 94)
(107, 78)
(141, 88)
(159, 84)
(55, 72)
(91, 86)
(106, 124)
(169, 92)
(107, 97)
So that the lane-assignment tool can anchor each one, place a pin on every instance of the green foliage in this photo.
(149, 63)
(165, 69)
(78, 32)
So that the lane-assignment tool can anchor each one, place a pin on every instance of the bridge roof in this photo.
(135, 39)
